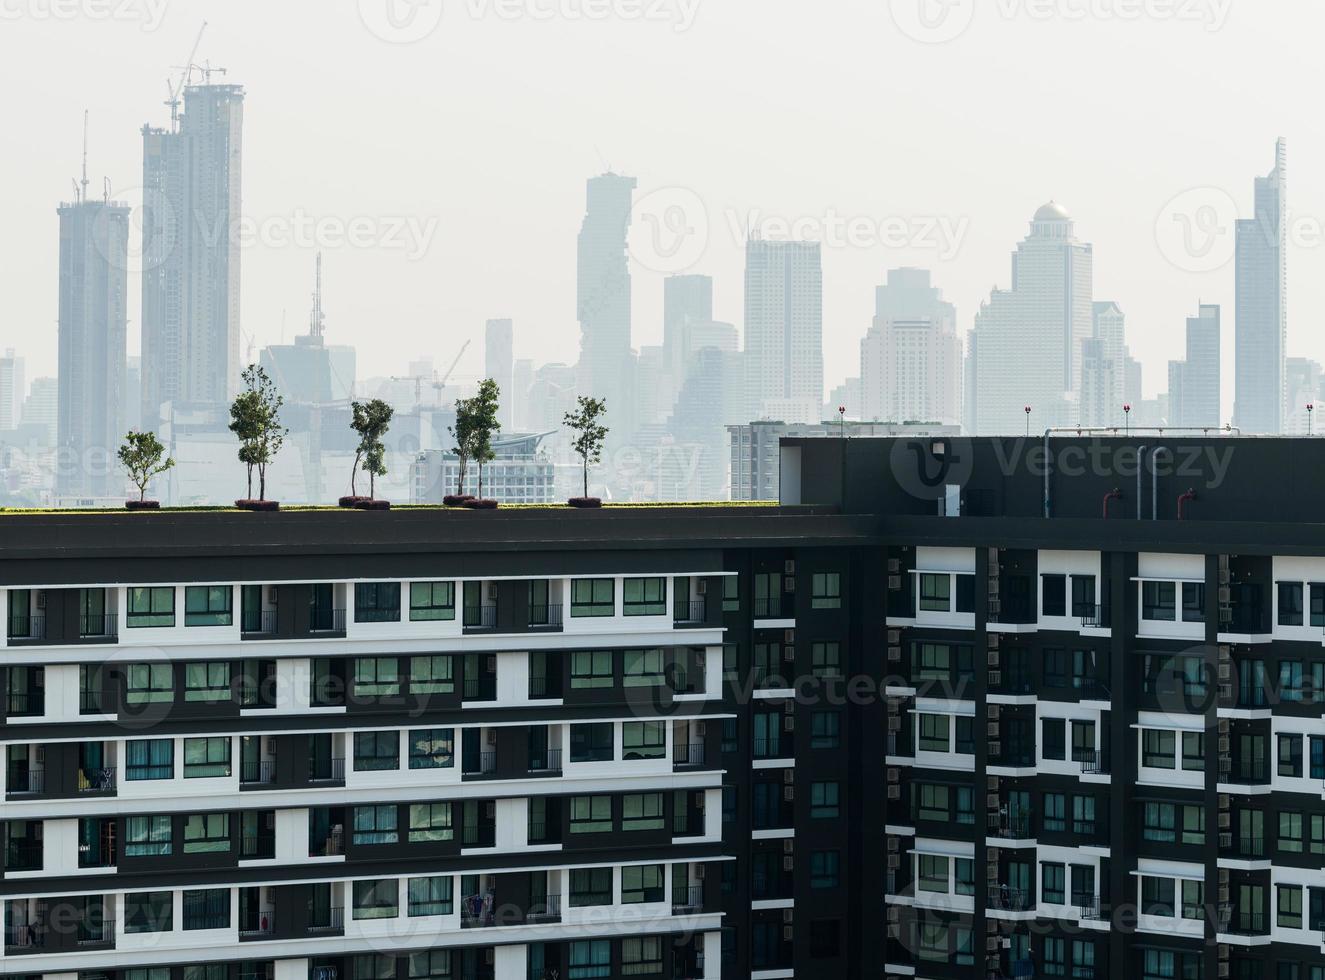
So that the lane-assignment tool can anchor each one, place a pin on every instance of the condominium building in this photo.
(784, 362)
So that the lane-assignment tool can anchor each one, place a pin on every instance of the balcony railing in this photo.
(99, 627)
(327, 621)
(259, 622)
(692, 612)
(264, 926)
(100, 780)
(549, 760)
(475, 913)
(689, 902)
(484, 764)
(257, 772)
(1091, 615)
(770, 608)
(332, 845)
(1088, 907)
(1007, 899)
(26, 779)
(1092, 762)
(688, 754)
(1011, 826)
(96, 933)
(482, 617)
(545, 616)
(544, 909)
(24, 855)
(27, 627)
(326, 770)
(257, 846)
(26, 704)
(480, 688)
(91, 701)
(327, 920)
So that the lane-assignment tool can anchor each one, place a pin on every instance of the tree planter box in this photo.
(353, 501)
(258, 505)
(142, 505)
(457, 499)
(475, 504)
(585, 503)
(370, 504)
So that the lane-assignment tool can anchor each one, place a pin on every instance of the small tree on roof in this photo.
(485, 406)
(590, 433)
(371, 420)
(255, 418)
(463, 434)
(144, 457)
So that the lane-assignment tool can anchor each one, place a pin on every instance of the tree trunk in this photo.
(354, 473)
(586, 476)
(262, 482)
(372, 485)
(480, 479)
(250, 481)
(142, 492)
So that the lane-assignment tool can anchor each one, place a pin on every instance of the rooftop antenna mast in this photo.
(83, 199)
(317, 320)
(185, 77)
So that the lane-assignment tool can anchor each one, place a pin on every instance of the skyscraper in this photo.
(1030, 337)
(687, 300)
(12, 387)
(190, 251)
(1103, 390)
(499, 364)
(1262, 304)
(94, 262)
(1194, 383)
(911, 358)
(784, 330)
(606, 368)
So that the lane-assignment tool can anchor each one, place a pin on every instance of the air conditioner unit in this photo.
(992, 783)
(39, 753)
(41, 600)
(788, 776)
(1225, 801)
(492, 590)
(894, 723)
(1225, 821)
(788, 933)
(491, 809)
(788, 585)
(994, 658)
(995, 641)
(788, 636)
(789, 724)
(995, 748)
(894, 775)
(894, 845)
(995, 678)
(994, 729)
(992, 801)
(789, 654)
(788, 864)
(699, 872)
(699, 729)
(492, 662)
(894, 862)
(789, 567)
(894, 583)
(788, 793)
(894, 566)
(492, 736)
(995, 711)
(894, 792)
(787, 916)
(895, 655)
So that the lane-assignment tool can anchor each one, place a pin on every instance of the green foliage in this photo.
(371, 420)
(255, 419)
(144, 457)
(590, 433)
(485, 425)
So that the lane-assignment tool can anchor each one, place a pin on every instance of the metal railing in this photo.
(1088, 907)
(482, 617)
(257, 772)
(688, 754)
(28, 704)
(258, 623)
(691, 901)
(333, 845)
(326, 770)
(257, 845)
(265, 926)
(475, 913)
(694, 611)
(26, 779)
(544, 614)
(98, 780)
(1007, 899)
(1092, 762)
(1011, 826)
(770, 608)
(91, 701)
(96, 933)
(27, 627)
(330, 919)
(480, 688)
(23, 855)
(1090, 614)
(487, 763)
(104, 626)
(546, 908)
(327, 621)
(549, 760)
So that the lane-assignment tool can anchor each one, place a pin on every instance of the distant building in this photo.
(847, 395)
(522, 378)
(499, 364)
(1194, 383)
(1304, 385)
(911, 358)
(1030, 337)
(41, 408)
(756, 456)
(607, 365)
(1103, 390)
(12, 389)
(191, 251)
(310, 371)
(1261, 330)
(784, 370)
(687, 301)
(93, 321)
(521, 474)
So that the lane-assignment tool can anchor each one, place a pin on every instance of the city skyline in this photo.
(1156, 294)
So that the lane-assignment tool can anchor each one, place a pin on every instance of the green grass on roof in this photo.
(324, 508)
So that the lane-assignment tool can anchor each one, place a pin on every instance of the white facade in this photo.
(911, 359)
(784, 330)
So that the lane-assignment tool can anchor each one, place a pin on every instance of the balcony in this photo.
(1090, 614)
(326, 921)
(1012, 826)
(481, 618)
(332, 845)
(257, 847)
(1088, 908)
(774, 607)
(482, 688)
(1093, 763)
(692, 613)
(255, 624)
(322, 771)
(547, 761)
(96, 782)
(26, 704)
(261, 928)
(24, 855)
(689, 902)
(483, 764)
(545, 617)
(1005, 899)
(326, 621)
(1246, 772)
(544, 909)
(257, 773)
(98, 627)
(26, 629)
(26, 781)
(688, 754)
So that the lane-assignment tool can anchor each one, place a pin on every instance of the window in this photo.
(933, 662)
(430, 601)
(1055, 955)
(432, 964)
(642, 884)
(377, 602)
(826, 730)
(1158, 748)
(1056, 673)
(1193, 751)
(1054, 602)
(964, 804)
(208, 605)
(1193, 602)
(432, 748)
(374, 751)
(824, 869)
(207, 908)
(1290, 907)
(590, 958)
(593, 597)
(644, 740)
(965, 596)
(964, 728)
(590, 669)
(1317, 824)
(207, 683)
(152, 758)
(206, 758)
(933, 803)
(590, 814)
(826, 590)
(1083, 741)
(1054, 737)
(431, 896)
(376, 677)
(933, 733)
(964, 876)
(641, 956)
(1159, 601)
(824, 800)
(590, 886)
(1290, 603)
(643, 597)
(1193, 900)
(1158, 823)
(1290, 755)
(369, 966)
(151, 607)
(149, 684)
(932, 870)
(1083, 814)
(149, 912)
(377, 899)
(375, 825)
(642, 811)
(1193, 824)
(643, 668)
(1053, 883)
(1290, 832)
(1055, 812)
(591, 743)
(430, 822)
(1291, 685)
(147, 836)
(826, 660)
(432, 675)
(731, 594)
(1083, 596)
(206, 833)
(935, 593)
(1157, 896)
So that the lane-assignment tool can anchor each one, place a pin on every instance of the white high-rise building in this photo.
(12, 389)
(911, 358)
(784, 330)
(499, 364)
(1029, 338)
(607, 364)
(1194, 383)
(1104, 368)
(1304, 384)
(1262, 305)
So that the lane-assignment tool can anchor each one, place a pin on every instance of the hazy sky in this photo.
(935, 148)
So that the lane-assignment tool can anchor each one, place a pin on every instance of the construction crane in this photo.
(437, 384)
(185, 77)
